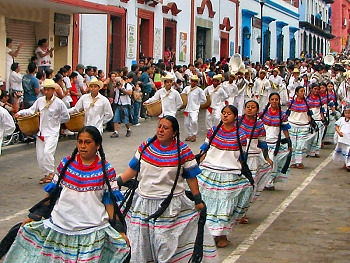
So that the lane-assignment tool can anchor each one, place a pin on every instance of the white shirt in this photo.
(217, 98)
(293, 84)
(344, 92)
(50, 117)
(278, 80)
(231, 90)
(67, 82)
(15, 81)
(124, 99)
(7, 125)
(170, 103)
(96, 115)
(261, 87)
(195, 98)
(298, 118)
(9, 58)
(43, 61)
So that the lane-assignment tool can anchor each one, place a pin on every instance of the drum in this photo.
(29, 124)
(207, 104)
(154, 108)
(76, 122)
(184, 98)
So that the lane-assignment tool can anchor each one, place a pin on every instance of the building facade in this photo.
(316, 30)
(192, 28)
(276, 36)
(340, 25)
(27, 21)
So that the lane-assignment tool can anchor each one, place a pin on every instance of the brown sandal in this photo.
(222, 242)
(47, 179)
(244, 220)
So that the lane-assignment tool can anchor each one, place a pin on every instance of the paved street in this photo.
(305, 220)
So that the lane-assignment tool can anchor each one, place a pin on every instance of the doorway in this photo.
(224, 45)
(145, 33)
(117, 43)
(201, 43)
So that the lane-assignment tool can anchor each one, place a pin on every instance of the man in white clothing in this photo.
(171, 99)
(217, 96)
(231, 88)
(195, 97)
(294, 82)
(278, 81)
(7, 125)
(242, 86)
(262, 89)
(53, 112)
(98, 110)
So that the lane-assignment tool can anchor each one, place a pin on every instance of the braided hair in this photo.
(54, 195)
(280, 120)
(164, 205)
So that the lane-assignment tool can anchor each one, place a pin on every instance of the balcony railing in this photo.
(321, 24)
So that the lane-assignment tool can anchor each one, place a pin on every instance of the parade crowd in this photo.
(170, 205)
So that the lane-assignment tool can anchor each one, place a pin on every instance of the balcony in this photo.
(294, 2)
(318, 26)
(329, 1)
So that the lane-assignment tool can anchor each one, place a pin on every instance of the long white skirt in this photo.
(227, 196)
(260, 169)
(279, 161)
(171, 237)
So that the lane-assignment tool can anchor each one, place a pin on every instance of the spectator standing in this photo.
(146, 88)
(44, 54)
(15, 78)
(89, 71)
(30, 86)
(10, 55)
(79, 82)
(137, 94)
(122, 102)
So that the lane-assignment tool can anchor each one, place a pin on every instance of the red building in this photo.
(340, 25)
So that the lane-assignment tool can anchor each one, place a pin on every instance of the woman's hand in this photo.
(269, 161)
(126, 239)
(28, 220)
(340, 134)
(199, 206)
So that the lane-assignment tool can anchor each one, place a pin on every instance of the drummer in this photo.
(171, 99)
(97, 107)
(53, 112)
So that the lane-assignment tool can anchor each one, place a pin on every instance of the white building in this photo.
(278, 36)
(192, 28)
(316, 30)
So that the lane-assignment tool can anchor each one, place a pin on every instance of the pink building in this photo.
(340, 25)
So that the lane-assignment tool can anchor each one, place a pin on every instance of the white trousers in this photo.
(191, 123)
(212, 119)
(239, 104)
(45, 154)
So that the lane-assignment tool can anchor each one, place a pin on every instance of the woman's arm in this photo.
(193, 184)
(110, 212)
(128, 174)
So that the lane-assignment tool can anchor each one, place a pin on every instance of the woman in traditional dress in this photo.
(314, 102)
(342, 138)
(330, 103)
(83, 196)
(277, 138)
(300, 133)
(162, 220)
(225, 190)
(258, 159)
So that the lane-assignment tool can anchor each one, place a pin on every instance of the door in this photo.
(116, 50)
(201, 43)
(22, 32)
(267, 44)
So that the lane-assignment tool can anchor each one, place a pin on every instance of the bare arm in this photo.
(128, 174)
(193, 184)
